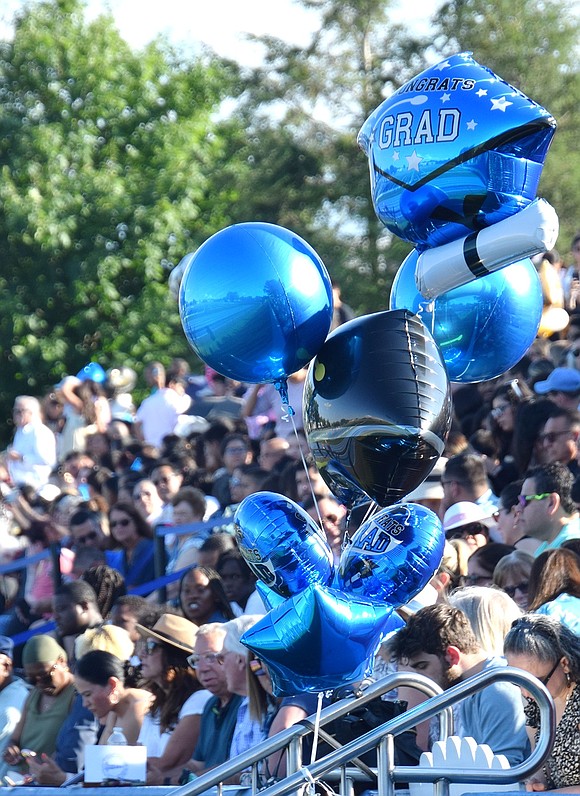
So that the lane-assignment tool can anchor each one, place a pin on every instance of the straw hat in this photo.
(172, 629)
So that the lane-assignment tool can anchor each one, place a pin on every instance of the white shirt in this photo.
(159, 412)
(150, 734)
(37, 445)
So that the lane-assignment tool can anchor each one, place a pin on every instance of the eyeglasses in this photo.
(499, 410)
(88, 537)
(551, 436)
(523, 500)
(511, 590)
(236, 450)
(44, 678)
(257, 668)
(545, 680)
(210, 657)
(150, 646)
(123, 523)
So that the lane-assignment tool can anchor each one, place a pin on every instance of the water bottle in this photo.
(117, 738)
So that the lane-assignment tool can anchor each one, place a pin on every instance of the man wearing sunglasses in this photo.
(546, 511)
(560, 437)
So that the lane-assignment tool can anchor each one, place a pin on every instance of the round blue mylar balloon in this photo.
(282, 544)
(452, 151)
(483, 328)
(393, 555)
(256, 302)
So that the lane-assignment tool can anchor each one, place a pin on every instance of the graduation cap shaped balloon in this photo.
(454, 150)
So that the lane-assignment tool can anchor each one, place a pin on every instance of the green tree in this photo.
(534, 46)
(319, 97)
(106, 163)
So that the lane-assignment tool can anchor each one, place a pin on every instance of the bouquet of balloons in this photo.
(455, 158)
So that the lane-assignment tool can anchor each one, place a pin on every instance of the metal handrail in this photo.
(389, 774)
(381, 737)
(292, 736)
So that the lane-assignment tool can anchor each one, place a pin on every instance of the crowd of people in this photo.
(146, 636)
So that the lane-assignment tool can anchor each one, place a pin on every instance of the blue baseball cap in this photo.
(559, 380)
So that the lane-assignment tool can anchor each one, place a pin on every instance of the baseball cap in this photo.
(559, 380)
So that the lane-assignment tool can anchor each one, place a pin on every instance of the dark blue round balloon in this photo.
(377, 407)
(256, 302)
(452, 151)
(320, 639)
(393, 555)
(282, 544)
(483, 328)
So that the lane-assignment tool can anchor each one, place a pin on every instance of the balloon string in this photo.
(305, 466)
(316, 728)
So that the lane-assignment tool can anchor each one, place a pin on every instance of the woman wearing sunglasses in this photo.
(171, 728)
(133, 537)
(551, 652)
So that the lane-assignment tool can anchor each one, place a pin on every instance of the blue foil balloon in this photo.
(393, 555)
(256, 302)
(319, 639)
(377, 407)
(269, 597)
(483, 328)
(452, 151)
(282, 544)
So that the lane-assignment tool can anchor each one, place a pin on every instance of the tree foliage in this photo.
(106, 160)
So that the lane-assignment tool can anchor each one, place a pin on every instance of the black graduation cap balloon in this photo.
(377, 407)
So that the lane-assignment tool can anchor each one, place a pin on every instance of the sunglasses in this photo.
(523, 500)
(88, 537)
(545, 680)
(257, 668)
(150, 646)
(44, 678)
(210, 657)
(123, 523)
(511, 590)
(551, 436)
(499, 410)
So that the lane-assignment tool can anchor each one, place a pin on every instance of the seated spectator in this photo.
(550, 651)
(554, 587)
(466, 520)
(236, 450)
(546, 509)
(512, 575)
(147, 501)
(202, 597)
(507, 518)
(452, 570)
(108, 584)
(100, 680)
(220, 713)
(48, 704)
(490, 612)
(89, 529)
(213, 547)
(170, 730)
(438, 642)
(13, 693)
(188, 508)
(482, 563)
(239, 583)
(129, 611)
(132, 534)
(75, 610)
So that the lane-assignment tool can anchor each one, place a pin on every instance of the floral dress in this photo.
(562, 767)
